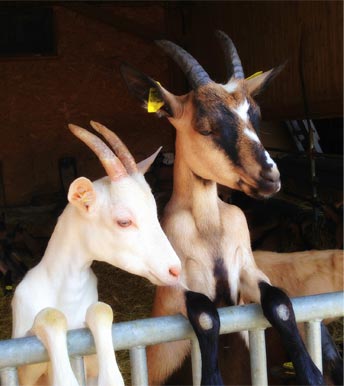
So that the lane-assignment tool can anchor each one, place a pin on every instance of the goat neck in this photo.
(192, 192)
(66, 254)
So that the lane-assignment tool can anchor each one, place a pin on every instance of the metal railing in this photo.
(138, 334)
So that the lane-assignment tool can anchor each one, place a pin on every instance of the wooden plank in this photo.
(101, 14)
(266, 34)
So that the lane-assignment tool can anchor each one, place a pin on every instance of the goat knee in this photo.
(205, 321)
(277, 307)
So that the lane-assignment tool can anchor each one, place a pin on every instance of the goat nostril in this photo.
(174, 271)
(268, 175)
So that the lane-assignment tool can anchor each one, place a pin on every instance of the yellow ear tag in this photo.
(254, 75)
(288, 365)
(154, 100)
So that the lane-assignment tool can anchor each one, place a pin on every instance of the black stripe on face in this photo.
(216, 119)
(260, 156)
(223, 293)
(254, 115)
(226, 133)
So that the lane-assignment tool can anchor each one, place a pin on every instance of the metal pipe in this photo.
(196, 362)
(313, 341)
(9, 376)
(259, 375)
(16, 352)
(78, 367)
(138, 362)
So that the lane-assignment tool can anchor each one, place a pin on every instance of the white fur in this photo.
(64, 279)
(99, 318)
(252, 135)
(269, 160)
(283, 312)
(205, 321)
(242, 110)
(50, 326)
(231, 86)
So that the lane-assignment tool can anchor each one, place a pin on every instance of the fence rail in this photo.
(136, 335)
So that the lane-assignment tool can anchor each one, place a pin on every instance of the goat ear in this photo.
(155, 98)
(258, 83)
(144, 165)
(81, 194)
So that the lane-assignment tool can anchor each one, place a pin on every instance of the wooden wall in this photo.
(266, 34)
(40, 95)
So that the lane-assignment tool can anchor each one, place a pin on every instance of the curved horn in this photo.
(233, 62)
(194, 72)
(118, 147)
(112, 165)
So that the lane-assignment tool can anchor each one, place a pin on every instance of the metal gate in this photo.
(138, 334)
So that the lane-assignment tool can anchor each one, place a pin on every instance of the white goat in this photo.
(216, 142)
(113, 219)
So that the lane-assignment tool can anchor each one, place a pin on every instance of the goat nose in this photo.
(174, 271)
(267, 175)
(270, 175)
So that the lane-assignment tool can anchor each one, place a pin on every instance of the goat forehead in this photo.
(131, 193)
(214, 107)
(232, 119)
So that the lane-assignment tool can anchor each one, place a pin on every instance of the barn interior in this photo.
(59, 64)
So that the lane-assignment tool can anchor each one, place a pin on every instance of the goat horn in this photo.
(233, 62)
(194, 72)
(118, 147)
(112, 165)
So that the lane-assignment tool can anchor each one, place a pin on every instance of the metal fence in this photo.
(138, 334)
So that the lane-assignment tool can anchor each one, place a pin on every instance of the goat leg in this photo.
(205, 321)
(277, 308)
(332, 361)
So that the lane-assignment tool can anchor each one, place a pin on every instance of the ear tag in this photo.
(254, 75)
(85, 197)
(154, 100)
(288, 366)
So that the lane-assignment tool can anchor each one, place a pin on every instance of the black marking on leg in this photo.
(199, 309)
(278, 309)
(223, 293)
(332, 361)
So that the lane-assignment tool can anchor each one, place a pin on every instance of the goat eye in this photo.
(205, 132)
(124, 223)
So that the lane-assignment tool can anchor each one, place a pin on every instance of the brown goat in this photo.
(216, 142)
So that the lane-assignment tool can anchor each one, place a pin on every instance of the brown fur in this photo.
(303, 273)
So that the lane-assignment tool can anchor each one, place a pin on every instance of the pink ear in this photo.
(144, 165)
(258, 83)
(81, 194)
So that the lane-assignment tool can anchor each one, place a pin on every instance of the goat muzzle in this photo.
(270, 182)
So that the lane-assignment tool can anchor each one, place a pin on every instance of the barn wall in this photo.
(266, 34)
(39, 96)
